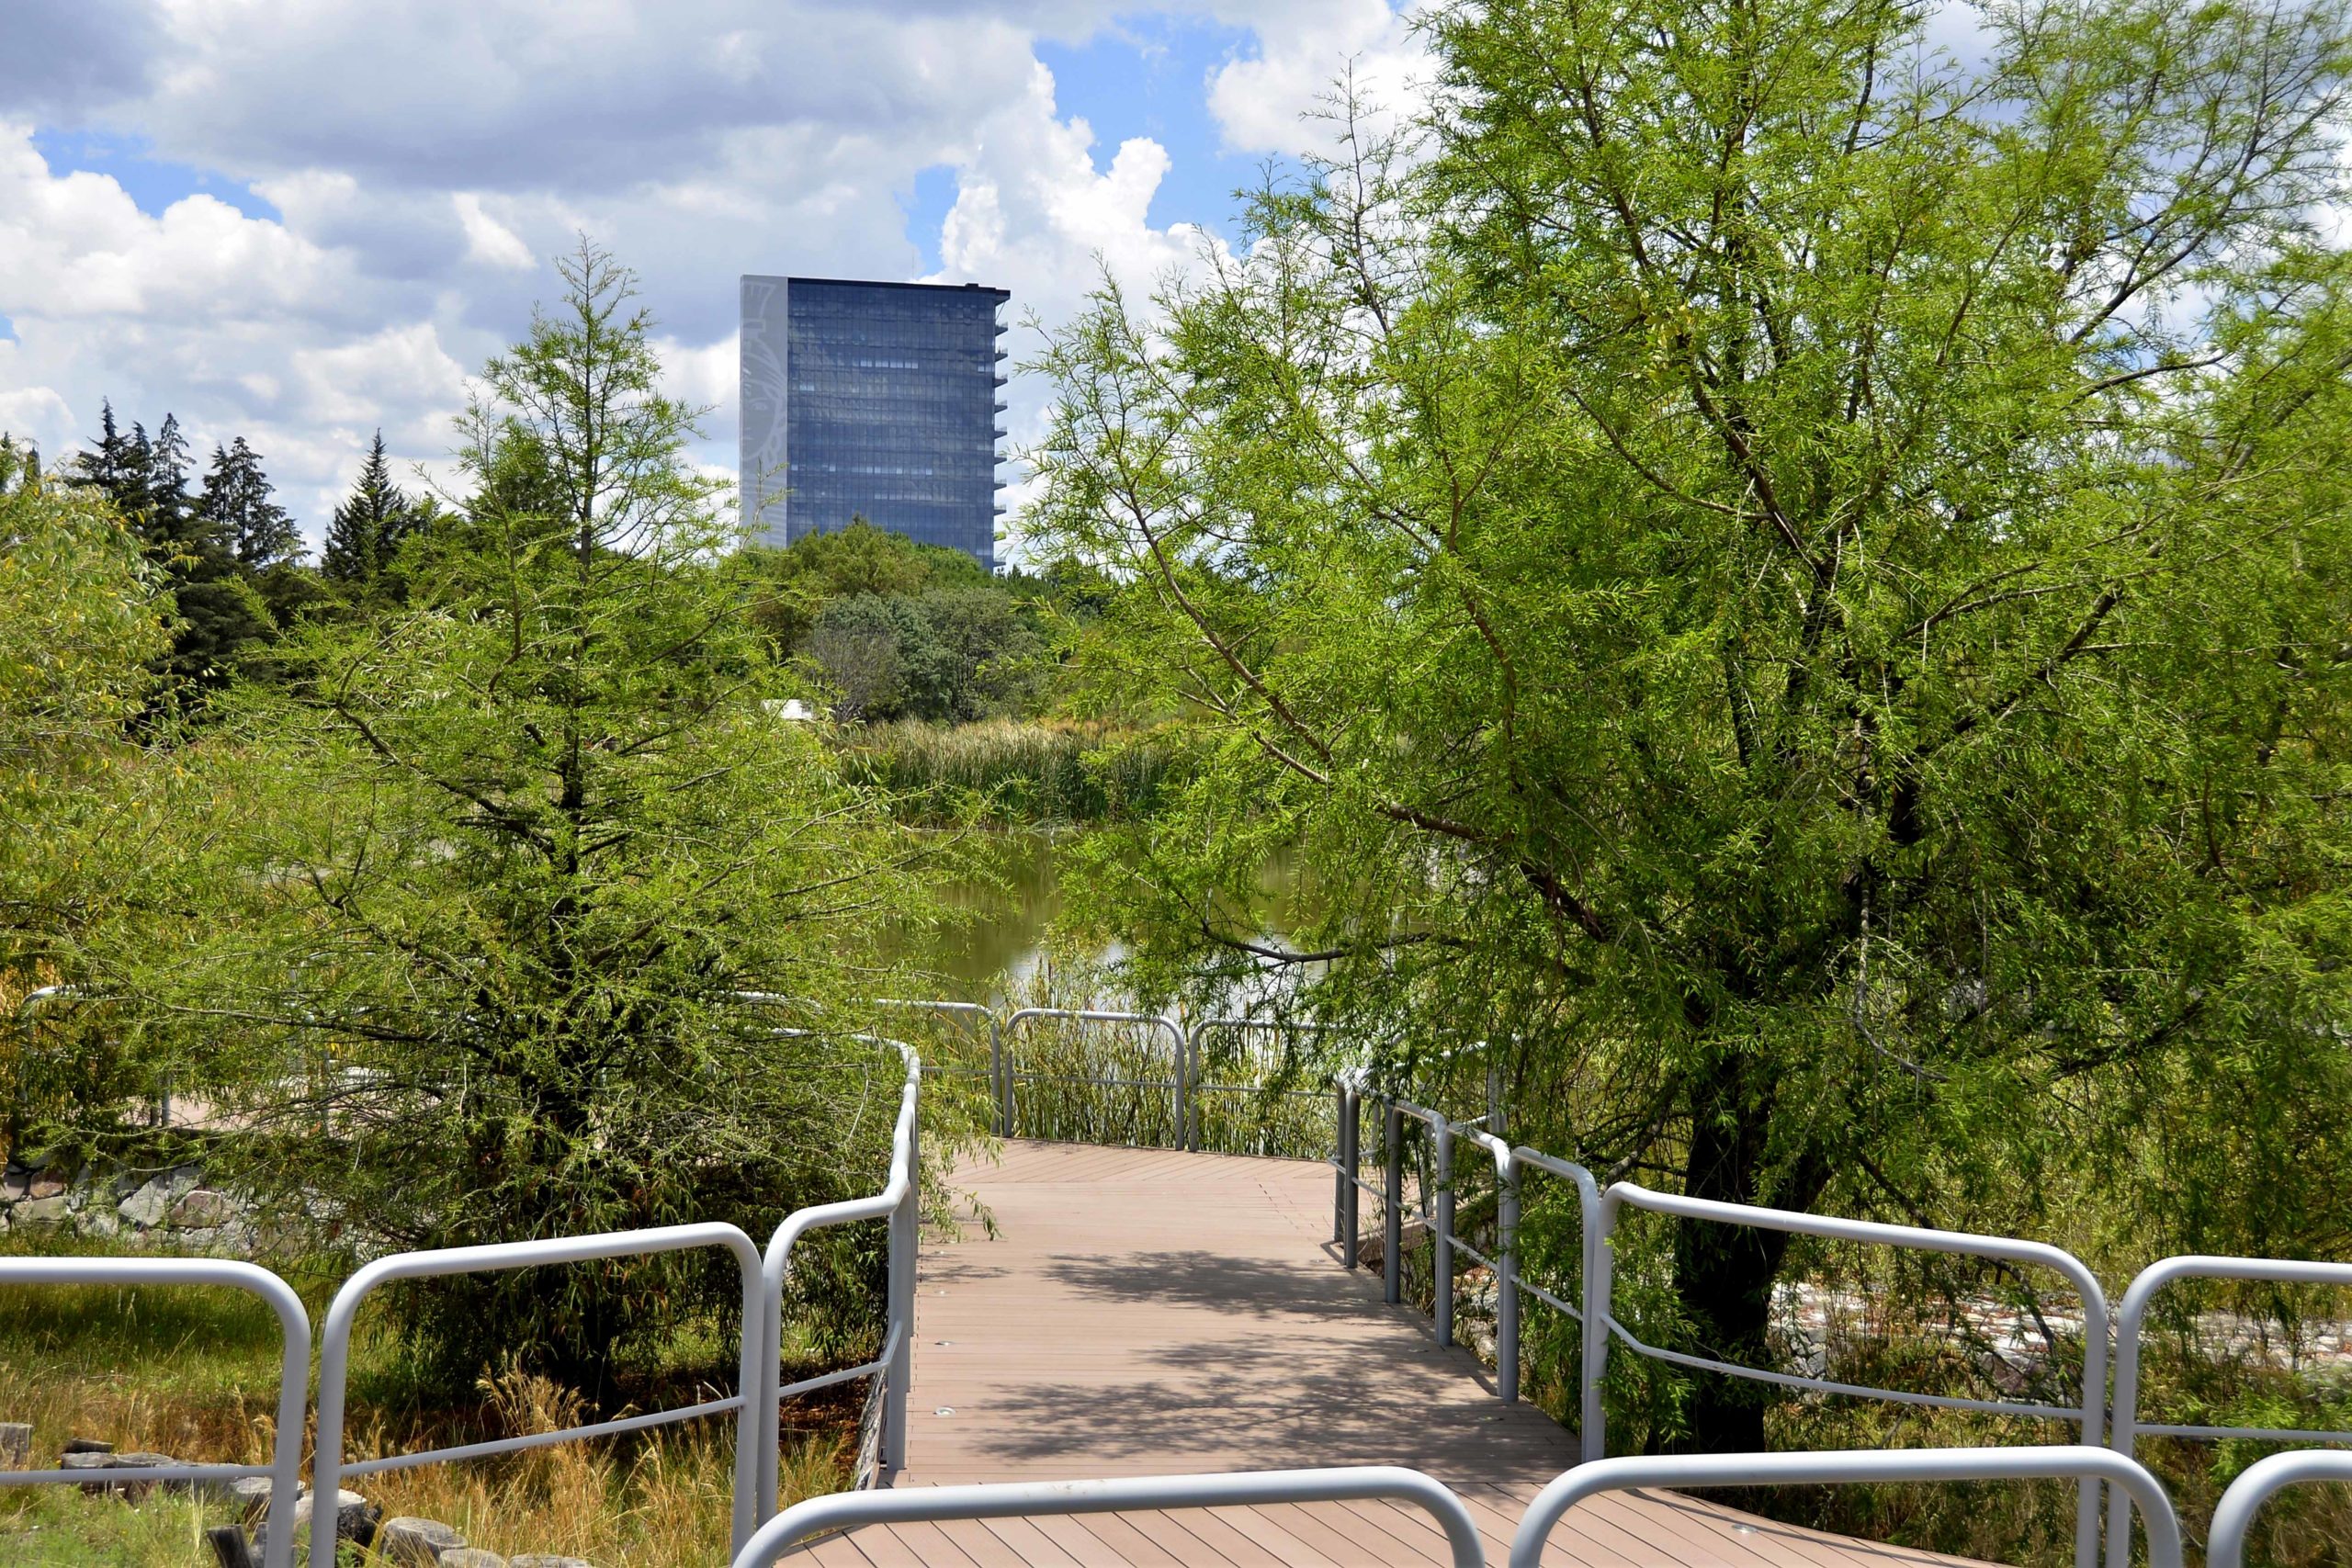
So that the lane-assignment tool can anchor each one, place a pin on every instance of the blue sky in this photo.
(230, 224)
(1142, 76)
(153, 182)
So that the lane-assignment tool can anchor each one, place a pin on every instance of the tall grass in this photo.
(1012, 771)
(1080, 1081)
(193, 1374)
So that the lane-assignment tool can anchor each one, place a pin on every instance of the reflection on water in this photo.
(1000, 945)
(1113, 1082)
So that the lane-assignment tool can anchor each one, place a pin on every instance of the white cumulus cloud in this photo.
(423, 163)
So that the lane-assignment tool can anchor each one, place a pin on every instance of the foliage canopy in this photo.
(1790, 588)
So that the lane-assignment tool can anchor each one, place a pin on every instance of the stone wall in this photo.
(134, 1206)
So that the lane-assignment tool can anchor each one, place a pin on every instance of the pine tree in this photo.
(368, 526)
(157, 502)
(106, 466)
(235, 503)
(146, 479)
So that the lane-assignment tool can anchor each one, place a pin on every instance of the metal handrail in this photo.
(327, 1469)
(853, 1510)
(2089, 1415)
(1178, 1103)
(1596, 1263)
(2225, 1545)
(285, 1469)
(899, 1202)
(2129, 1317)
(2078, 1460)
(1599, 1210)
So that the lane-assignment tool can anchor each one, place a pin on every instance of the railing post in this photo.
(1350, 1166)
(1187, 1091)
(1507, 1279)
(905, 1232)
(1391, 1204)
(1338, 1159)
(1000, 1076)
(1441, 1241)
(1599, 1267)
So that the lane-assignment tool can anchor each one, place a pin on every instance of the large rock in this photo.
(153, 1201)
(49, 1211)
(134, 1490)
(95, 1464)
(249, 1494)
(202, 1208)
(546, 1559)
(87, 1446)
(15, 1182)
(146, 1207)
(416, 1542)
(471, 1557)
(47, 1183)
(355, 1518)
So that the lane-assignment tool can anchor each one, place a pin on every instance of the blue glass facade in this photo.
(871, 400)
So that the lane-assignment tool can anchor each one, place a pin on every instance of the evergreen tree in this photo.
(235, 504)
(547, 831)
(370, 525)
(146, 479)
(106, 466)
(158, 504)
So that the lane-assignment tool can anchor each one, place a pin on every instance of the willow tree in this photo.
(84, 621)
(1787, 587)
(506, 854)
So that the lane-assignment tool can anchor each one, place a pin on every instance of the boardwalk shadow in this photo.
(1215, 1281)
(1244, 1416)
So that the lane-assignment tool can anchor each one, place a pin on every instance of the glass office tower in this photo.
(872, 399)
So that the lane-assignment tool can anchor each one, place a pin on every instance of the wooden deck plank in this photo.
(1341, 1534)
(1109, 1537)
(929, 1545)
(1031, 1545)
(1139, 1312)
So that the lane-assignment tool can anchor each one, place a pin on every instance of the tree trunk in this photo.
(1724, 1274)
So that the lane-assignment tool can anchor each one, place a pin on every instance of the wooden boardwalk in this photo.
(1139, 1312)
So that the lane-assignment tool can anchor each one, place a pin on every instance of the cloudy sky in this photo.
(299, 221)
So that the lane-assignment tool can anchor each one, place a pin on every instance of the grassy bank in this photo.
(193, 1374)
(1025, 773)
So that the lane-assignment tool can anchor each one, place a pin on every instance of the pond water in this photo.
(999, 947)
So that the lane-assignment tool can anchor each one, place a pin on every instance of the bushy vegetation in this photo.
(448, 914)
(894, 629)
(1013, 771)
(190, 1373)
(1789, 586)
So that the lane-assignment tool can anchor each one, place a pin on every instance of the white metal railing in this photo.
(1598, 1210)
(285, 1469)
(2132, 1316)
(2225, 1545)
(327, 1468)
(1180, 1047)
(852, 1510)
(900, 1201)
(2077, 1462)
(766, 1274)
